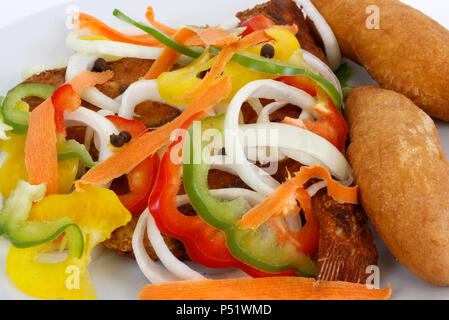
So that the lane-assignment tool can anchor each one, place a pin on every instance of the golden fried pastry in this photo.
(403, 177)
(408, 53)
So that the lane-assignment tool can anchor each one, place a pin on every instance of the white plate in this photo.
(40, 39)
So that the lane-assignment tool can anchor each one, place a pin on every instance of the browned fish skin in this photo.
(346, 245)
(287, 12)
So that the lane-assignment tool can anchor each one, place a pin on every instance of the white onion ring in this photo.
(102, 127)
(39, 68)
(112, 48)
(254, 198)
(315, 188)
(323, 70)
(173, 265)
(269, 89)
(303, 142)
(152, 271)
(82, 62)
(139, 92)
(331, 47)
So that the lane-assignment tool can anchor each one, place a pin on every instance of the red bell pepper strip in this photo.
(64, 99)
(259, 22)
(332, 126)
(204, 244)
(141, 179)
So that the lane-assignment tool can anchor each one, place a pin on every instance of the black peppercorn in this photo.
(117, 140)
(126, 136)
(267, 51)
(101, 65)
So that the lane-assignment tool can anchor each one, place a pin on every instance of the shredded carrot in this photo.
(215, 36)
(160, 26)
(225, 56)
(282, 197)
(41, 157)
(169, 56)
(271, 288)
(306, 239)
(101, 29)
(130, 156)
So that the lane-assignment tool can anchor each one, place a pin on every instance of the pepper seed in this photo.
(126, 136)
(101, 65)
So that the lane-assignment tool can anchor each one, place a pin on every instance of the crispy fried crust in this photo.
(287, 12)
(403, 177)
(346, 245)
(408, 54)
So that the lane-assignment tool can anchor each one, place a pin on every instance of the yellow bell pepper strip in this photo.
(26, 234)
(3, 126)
(189, 77)
(67, 171)
(224, 57)
(98, 212)
(14, 170)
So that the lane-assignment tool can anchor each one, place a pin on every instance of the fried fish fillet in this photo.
(407, 54)
(403, 177)
(287, 12)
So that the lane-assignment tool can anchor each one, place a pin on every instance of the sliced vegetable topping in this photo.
(40, 148)
(258, 248)
(146, 145)
(26, 234)
(141, 179)
(204, 244)
(288, 192)
(98, 212)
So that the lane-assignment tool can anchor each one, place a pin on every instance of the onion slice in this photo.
(268, 89)
(82, 62)
(176, 267)
(102, 127)
(39, 68)
(154, 272)
(254, 198)
(309, 148)
(323, 70)
(112, 48)
(139, 92)
(333, 53)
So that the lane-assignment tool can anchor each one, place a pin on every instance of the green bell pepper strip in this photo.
(258, 248)
(16, 118)
(245, 59)
(25, 234)
(73, 149)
